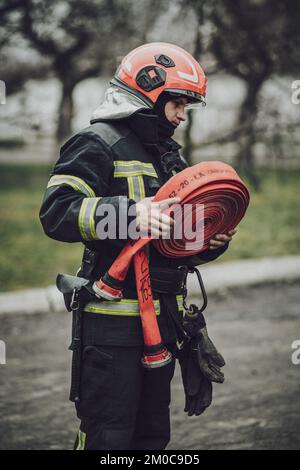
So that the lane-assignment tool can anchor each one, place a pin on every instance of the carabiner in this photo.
(203, 291)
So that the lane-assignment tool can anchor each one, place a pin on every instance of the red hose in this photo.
(218, 187)
(225, 197)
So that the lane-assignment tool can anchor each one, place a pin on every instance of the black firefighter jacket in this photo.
(116, 160)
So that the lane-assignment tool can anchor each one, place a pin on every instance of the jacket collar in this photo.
(121, 106)
(144, 125)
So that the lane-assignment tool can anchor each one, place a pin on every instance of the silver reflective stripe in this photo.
(124, 169)
(86, 218)
(125, 307)
(136, 188)
(134, 171)
(76, 183)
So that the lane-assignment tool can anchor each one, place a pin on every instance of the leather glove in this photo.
(200, 364)
(197, 388)
(206, 356)
(204, 352)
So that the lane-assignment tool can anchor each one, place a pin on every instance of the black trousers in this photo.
(123, 406)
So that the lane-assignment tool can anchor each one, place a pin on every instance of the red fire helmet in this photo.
(156, 67)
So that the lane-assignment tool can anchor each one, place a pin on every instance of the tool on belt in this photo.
(77, 290)
(218, 187)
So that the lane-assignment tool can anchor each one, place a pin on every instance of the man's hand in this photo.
(150, 219)
(220, 239)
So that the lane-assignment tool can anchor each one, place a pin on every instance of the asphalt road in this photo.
(258, 406)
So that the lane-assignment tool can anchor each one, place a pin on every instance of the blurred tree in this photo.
(241, 44)
(7, 7)
(197, 52)
(251, 40)
(75, 35)
(14, 71)
(6, 27)
(82, 38)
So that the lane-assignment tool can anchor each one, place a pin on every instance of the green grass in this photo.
(272, 222)
(30, 259)
(27, 257)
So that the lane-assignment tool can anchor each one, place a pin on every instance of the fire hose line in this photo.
(223, 195)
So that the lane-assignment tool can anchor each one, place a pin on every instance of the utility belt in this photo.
(168, 280)
(169, 285)
(163, 280)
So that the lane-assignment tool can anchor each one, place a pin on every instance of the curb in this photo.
(216, 277)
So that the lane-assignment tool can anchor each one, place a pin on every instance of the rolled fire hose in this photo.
(225, 199)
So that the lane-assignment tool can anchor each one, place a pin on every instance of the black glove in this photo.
(205, 354)
(200, 364)
(197, 388)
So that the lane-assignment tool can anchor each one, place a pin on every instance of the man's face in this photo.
(175, 110)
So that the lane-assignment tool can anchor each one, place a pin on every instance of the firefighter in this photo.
(121, 159)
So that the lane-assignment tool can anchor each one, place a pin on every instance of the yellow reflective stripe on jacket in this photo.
(124, 169)
(81, 440)
(179, 299)
(124, 307)
(134, 171)
(136, 188)
(76, 183)
(86, 219)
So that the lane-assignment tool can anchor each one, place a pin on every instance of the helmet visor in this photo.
(195, 100)
(195, 104)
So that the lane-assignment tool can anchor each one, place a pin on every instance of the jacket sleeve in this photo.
(207, 256)
(77, 188)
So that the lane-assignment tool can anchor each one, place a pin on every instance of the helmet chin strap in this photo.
(165, 127)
